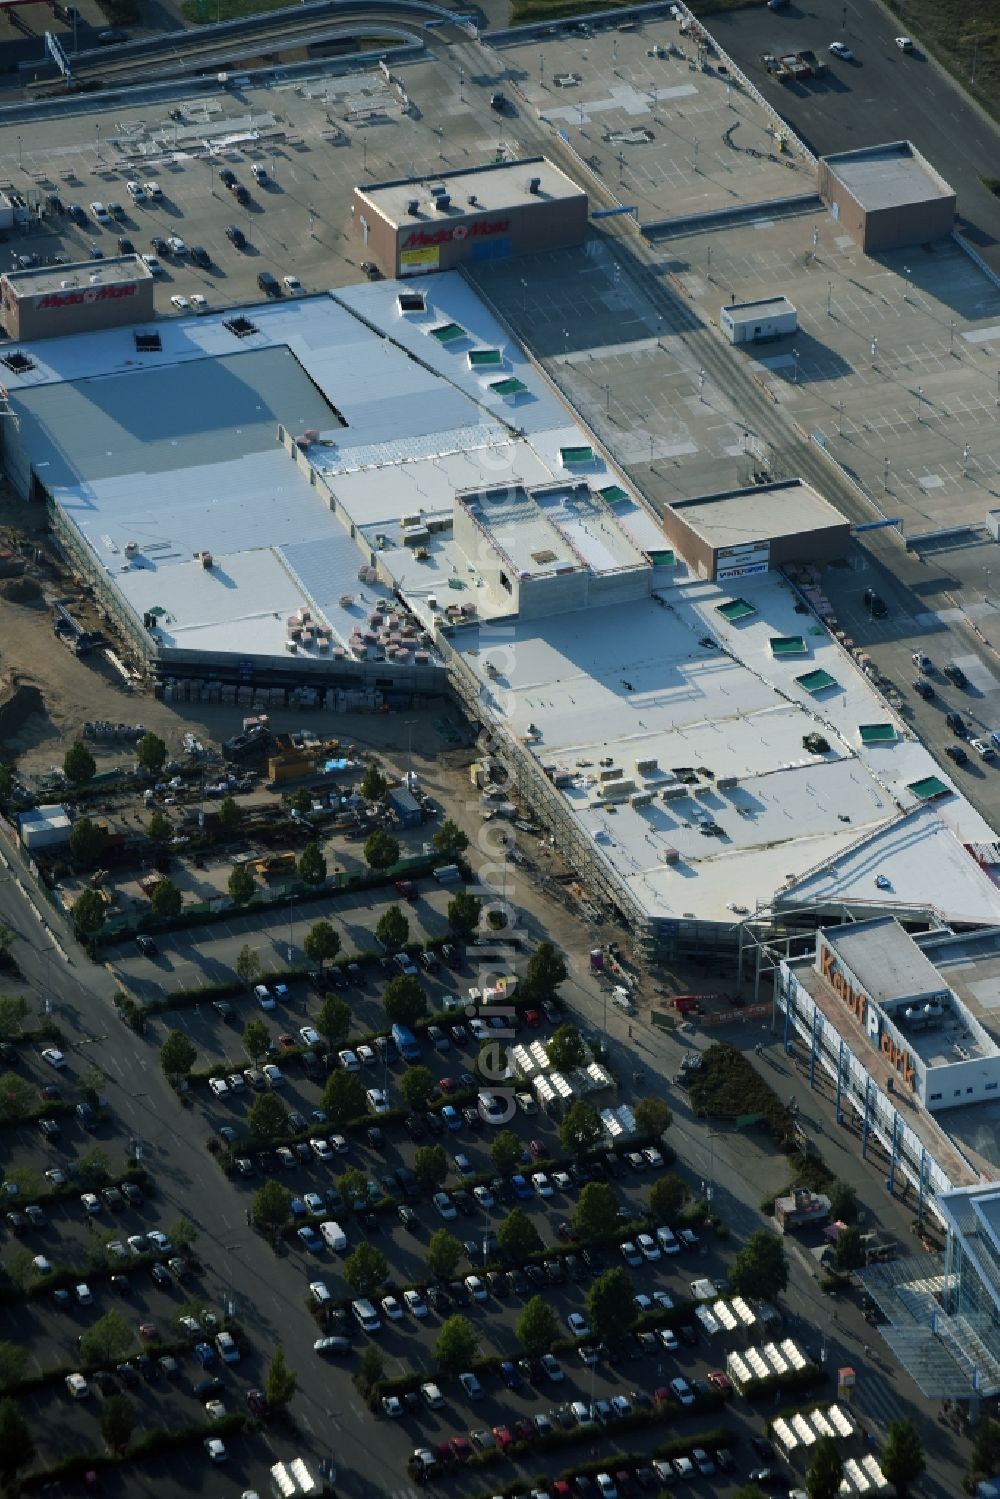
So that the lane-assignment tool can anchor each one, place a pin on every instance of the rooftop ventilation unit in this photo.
(473, 201)
(442, 202)
(147, 343)
(534, 184)
(439, 190)
(241, 326)
(413, 207)
(17, 362)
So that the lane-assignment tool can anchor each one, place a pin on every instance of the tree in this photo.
(79, 764)
(610, 1307)
(417, 1087)
(518, 1237)
(334, 1019)
(88, 912)
(230, 813)
(151, 752)
(464, 911)
(430, 1167)
(760, 1269)
(404, 1001)
(312, 865)
(581, 1128)
(16, 1446)
(256, 1039)
(849, 1251)
(166, 899)
(13, 1013)
(825, 1473)
(365, 1268)
(241, 885)
(373, 783)
(107, 1340)
(596, 1213)
(545, 972)
(93, 1169)
(749, 1491)
(159, 829)
(178, 1054)
(118, 1421)
(13, 1364)
(184, 1234)
(17, 1097)
(986, 1448)
(843, 1202)
(272, 1206)
(321, 943)
(667, 1196)
(652, 1118)
(449, 840)
(87, 840)
(280, 1382)
(301, 801)
(902, 1459)
(443, 1254)
(505, 1152)
(371, 1368)
(353, 1187)
(247, 965)
(457, 1345)
(381, 850)
(566, 1049)
(267, 1117)
(537, 1327)
(344, 1097)
(392, 929)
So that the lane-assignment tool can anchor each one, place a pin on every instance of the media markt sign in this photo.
(477, 229)
(87, 294)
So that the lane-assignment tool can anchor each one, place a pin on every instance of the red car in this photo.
(148, 1332)
(524, 1431)
(532, 1019)
(561, 1489)
(537, 1149)
(407, 889)
(287, 1042)
(447, 1085)
(720, 1381)
(504, 1436)
(257, 1403)
(460, 1448)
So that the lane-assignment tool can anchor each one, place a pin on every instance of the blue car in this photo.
(511, 1378)
(451, 1117)
(522, 1188)
(205, 1354)
(310, 1238)
(298, 1208)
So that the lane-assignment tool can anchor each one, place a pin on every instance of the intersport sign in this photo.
(58, 299)
(478, 229)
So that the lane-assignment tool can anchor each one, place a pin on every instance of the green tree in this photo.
(404, 1001)
(986, 1448)
(417, 1087)
(443, 1254)
(505, 1152)
(159, 828)
(545, 972)
(849, 1251)
(334, 1019)
(581, 1128)
(17, 1097)
(392, 929)
(79, 764)
(843, 1202)
(267, 1117)
(381, 850)
(301, 801)
(151, 752)
(825, 1473)
(312, 865)
(430, 1167)
(230, 813)
(13, 1364)
(344, 1097)
(166, 899)
(178, 1054)
(457, 1345)
(652, 1118)
(280, 1382)
(371, 1369)
(449, 840)
(93, 1169)
(610, 1307)
(6, 782)
(761, 1268)
(902, 1459)
(464, 911)
(88, 912)
(373, 783)
(596, 1213)
(184, 1234)
(354, 1187)
(247, 965)
(107, 1340)
(241, 885)
(518, 1237)
(16, 1445)
(118, 1421)
(272, 1206)
(365, 1268)
(321, 943)
(256, 1039)
(87, 841)
(566, 1049)
(667, 1196)
(537, 1327)
(13, 1013)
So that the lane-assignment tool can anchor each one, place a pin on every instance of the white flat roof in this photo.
(516, 525)
(496, 187)
(760, 514)
(889, 176)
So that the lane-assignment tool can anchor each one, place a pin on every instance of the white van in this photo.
(366, 1316)
(333, 1236)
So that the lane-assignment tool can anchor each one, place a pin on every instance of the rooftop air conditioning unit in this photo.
(413, 207)
(534, 184)
(442, 203)
(727, 783)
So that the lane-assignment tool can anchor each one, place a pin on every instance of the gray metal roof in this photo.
(885, 959)
(889, 176)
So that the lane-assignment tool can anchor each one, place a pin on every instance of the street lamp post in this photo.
(885, 476)
(840, 423)
(966, 452)
(607, 392)
(795, 356)
(951, 335)
(701, 385)
(920, 396)
(20, 159)
(874, 351)
(829, 298)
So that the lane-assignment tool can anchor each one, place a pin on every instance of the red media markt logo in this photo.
(89, 294)
(478, 229)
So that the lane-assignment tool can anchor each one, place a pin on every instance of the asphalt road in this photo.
(884, 95)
